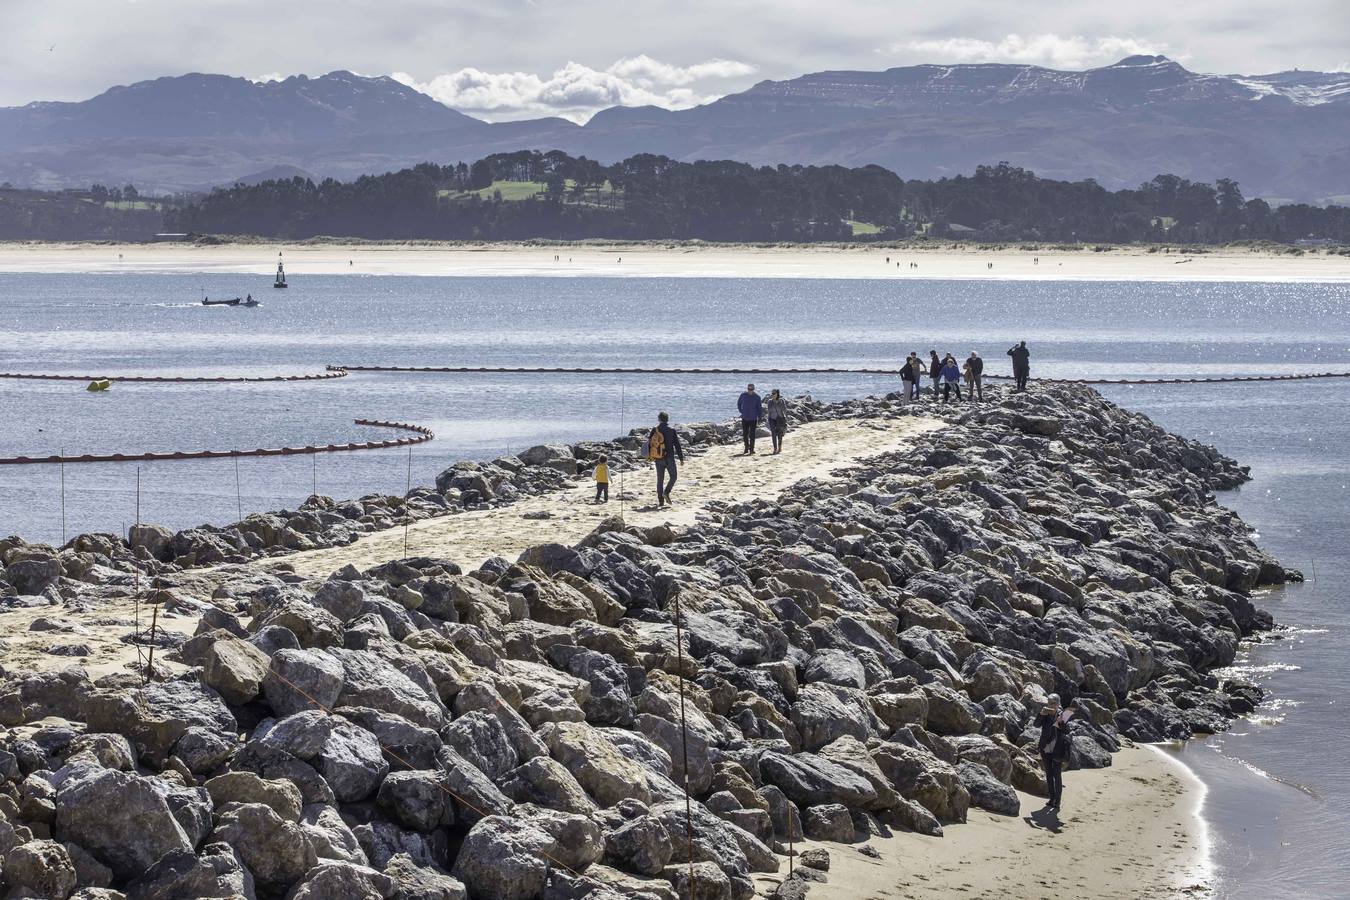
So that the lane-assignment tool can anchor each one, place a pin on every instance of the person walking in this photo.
(950, 374)
(602, 479)
(976, 385)
(969, 376)
(917, 365)
(663, 448)
(1021, 360)
(934, 371)
(777, 412)
(907, 380)
(1054, 746)
(751, 407)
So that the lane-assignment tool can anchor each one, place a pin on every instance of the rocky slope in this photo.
(858, 653)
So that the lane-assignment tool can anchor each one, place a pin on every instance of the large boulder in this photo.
(986, 791)
(607, 774)
(215, 871)
(128, 822)
(811, 780)
(235, 669)
(300, 680)
(39, 868)
(276, 851)
(504, 859)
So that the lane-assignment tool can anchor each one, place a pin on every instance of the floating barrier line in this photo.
(609, 370)
(421, 436)
(332, 372)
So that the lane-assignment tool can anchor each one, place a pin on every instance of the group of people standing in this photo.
(945, 374)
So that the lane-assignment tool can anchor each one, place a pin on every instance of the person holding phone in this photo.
(1054, 746)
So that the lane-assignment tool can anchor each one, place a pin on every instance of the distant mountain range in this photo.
(1282, 136)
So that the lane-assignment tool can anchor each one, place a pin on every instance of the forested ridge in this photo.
(532, 195)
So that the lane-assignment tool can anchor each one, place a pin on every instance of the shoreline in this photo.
(664, 260)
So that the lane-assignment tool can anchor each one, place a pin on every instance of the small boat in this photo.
(233, 301)
(249, 301)
(281, 276)
(99, 384)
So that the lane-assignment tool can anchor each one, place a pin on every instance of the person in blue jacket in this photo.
(751, 407)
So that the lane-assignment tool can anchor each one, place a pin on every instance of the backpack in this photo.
(656, 445)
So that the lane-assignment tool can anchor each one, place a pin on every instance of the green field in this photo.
(863, 227)
(526, 190)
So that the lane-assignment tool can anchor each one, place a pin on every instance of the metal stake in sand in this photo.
(622, 403)
(63, 496)
(407, 510)
(136, 582)
(314, 474)
(684, 743)
(238, 497)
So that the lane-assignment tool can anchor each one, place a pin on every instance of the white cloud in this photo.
(1053, 50)
(576, 91)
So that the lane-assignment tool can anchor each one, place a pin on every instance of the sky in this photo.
(513, 59)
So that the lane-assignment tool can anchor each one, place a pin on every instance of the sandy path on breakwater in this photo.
(706, 261)
(811, 450)
(1129, 831)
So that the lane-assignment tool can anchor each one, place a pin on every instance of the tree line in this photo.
(529, 194)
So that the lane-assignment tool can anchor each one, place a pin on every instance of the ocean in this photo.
(1278, 798)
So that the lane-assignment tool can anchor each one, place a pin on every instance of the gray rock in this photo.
(214, 872)
(300, 680)
(418, 800)
(829, 822)
(126, 821)
(246, 787)
(39, 868)
(276, 851)
(505, 859)
(235, 669)
(986, 791)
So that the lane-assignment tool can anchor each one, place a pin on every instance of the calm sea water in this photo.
(1279, 785)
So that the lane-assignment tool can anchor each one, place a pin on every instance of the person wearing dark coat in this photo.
(1021, 360)
(934, 371)
(1053, 746)
(751, 407)
(668, 440)
(976, 374)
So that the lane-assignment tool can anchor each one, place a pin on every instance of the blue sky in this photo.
(517, 59)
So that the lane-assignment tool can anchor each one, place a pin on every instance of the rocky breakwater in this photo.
(860, 653)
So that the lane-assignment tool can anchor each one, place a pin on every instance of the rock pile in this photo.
(858, 652)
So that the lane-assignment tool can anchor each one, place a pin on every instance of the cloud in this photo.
(1053, 50)
(576, 91)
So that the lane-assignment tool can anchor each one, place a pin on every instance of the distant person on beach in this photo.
(934, 371)
(951, 378)
(751, 407)
(975, 385)
(777, 411)
(1021, 360)
(663, 448)
(1054, 746)
(602, 479)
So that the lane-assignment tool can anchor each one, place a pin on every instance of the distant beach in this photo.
(694, 260)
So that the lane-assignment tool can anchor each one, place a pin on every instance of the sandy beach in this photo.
(1129, 831)
(684, 260)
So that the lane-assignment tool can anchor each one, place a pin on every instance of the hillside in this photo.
(1283, 136)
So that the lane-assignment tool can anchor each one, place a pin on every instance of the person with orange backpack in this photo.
(663, 448)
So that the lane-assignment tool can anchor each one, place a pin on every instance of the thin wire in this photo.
(238, 497)
(407, 510)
